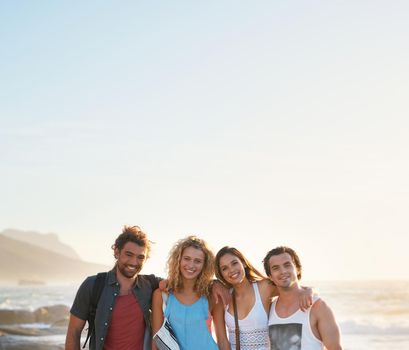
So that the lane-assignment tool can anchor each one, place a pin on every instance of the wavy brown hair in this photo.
(132, 234)
(252, 274)
(282, 250)
(173, 265)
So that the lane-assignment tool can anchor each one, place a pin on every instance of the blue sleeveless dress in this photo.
(189, 324)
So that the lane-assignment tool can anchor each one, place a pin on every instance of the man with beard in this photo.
(289, 327)
(122, 318)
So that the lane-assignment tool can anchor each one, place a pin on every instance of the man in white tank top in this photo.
(289, 327)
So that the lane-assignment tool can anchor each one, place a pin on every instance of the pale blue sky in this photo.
(251, 124)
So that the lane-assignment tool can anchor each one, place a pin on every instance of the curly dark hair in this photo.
(132, 234)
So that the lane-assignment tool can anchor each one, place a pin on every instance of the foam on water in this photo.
(35, 325)
(372, 315)
(352, 327)
(31, 298)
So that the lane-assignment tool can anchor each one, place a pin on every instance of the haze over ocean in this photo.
(282, 122)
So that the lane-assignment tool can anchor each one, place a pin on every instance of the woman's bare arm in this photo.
(157, 313)
(217, 311)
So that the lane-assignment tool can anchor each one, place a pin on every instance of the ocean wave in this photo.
(354, 327)
(30, 299)
(35, 325)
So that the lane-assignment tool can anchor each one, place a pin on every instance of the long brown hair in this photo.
(252, 274)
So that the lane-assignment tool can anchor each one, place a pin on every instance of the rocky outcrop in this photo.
(53, 315)
(16, 317)
(32, 337)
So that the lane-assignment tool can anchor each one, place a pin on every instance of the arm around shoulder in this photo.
(267, 292)
(220, 293)
(327, 326)
(154, 280)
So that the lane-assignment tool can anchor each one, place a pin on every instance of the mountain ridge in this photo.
(24, 261)
(49, 240)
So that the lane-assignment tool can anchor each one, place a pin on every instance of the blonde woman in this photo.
(189, 305)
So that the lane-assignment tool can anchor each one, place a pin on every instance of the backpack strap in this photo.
(96, 294)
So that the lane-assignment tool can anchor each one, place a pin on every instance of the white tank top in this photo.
(293, 332)
(253, 328)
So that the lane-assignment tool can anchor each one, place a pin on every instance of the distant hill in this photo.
(49, 241)
(23, 261)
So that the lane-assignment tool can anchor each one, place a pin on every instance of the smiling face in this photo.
(231, 269)
(130, 259)
(283, 272)
(191, 263)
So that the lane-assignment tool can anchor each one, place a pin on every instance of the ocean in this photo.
(371, 314)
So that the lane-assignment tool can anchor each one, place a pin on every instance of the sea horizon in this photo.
(370, 314)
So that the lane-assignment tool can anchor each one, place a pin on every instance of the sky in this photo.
(249, 124)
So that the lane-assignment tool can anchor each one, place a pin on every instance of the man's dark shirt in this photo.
(144, 287)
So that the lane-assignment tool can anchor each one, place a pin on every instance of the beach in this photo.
(371, 314)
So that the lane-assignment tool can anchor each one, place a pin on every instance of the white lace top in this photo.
(253, 328)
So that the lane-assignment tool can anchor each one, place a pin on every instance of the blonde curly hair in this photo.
(173, 265)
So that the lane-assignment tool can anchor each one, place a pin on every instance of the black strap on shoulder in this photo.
(96, 294)
(236, 322)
